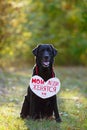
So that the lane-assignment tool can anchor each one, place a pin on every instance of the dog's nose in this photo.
(46, 57)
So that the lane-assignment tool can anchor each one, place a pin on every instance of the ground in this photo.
(72, 100)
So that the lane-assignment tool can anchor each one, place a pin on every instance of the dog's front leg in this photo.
(56, 112)
(34, 106)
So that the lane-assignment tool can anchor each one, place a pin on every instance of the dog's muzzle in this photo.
(46, 61)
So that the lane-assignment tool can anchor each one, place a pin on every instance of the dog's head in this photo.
(45, 54)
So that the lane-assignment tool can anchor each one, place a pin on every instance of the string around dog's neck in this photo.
(53, 74)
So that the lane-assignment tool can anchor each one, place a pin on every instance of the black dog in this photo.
(34, 106)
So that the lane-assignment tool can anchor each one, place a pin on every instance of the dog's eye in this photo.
(48, 49)
(42, 50)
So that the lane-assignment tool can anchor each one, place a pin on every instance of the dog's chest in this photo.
(45, 75)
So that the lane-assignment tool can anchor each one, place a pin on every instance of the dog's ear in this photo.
(35, 50)
(55, 52)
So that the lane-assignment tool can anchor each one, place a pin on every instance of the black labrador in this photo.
(34, 106)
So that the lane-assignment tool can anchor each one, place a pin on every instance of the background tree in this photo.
(24, 24)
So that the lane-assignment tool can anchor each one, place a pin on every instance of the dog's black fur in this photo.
(34, 106)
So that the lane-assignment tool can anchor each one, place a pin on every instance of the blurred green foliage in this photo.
(27, 23)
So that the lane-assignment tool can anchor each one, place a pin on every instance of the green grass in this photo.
(72, 100)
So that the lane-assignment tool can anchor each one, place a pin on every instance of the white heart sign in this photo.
(44, 89)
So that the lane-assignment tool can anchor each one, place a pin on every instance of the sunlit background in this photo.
(27, 23)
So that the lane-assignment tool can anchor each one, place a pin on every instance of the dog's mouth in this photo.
(45, 63)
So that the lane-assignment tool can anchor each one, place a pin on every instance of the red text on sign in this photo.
(37, 81)
(44, 88)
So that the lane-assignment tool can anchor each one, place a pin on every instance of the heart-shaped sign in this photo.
(44, 89)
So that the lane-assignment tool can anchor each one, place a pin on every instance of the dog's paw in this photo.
(58, 120)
